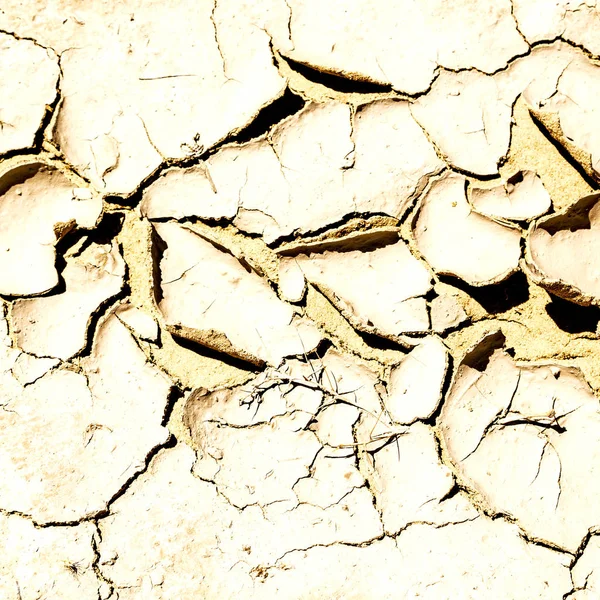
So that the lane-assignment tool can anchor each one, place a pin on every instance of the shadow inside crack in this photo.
(286, 106)
(498, 297)
(337, 83)
(573, 318)
(564, 152)
(379, 342)
(104, 233)
(227, 359)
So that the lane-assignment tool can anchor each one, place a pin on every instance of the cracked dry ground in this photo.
(300, 299)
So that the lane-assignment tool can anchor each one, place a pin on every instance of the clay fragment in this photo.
(280, 457)
(267, 414)
(400, 43)
(457, 241)
(415, 385)
(413, 457)
(309, 171)
(140, 84)
(378, 290)
(545, 414)
(29, 75)
(211, 297)
(271, 414)
(180, 193)
(562, 252)
(53, 561)
(182, 517)
(73, 439)
(292, 283)
(57, 326)
(139, 322)
(330, 163)
(569, 112)
(446, 313)
(468, 114)
(38, 199)
(522, 197)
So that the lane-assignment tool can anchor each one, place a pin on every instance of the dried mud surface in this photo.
(300, 300)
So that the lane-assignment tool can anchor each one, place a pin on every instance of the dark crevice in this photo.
(107, 230)
(335, 81)
(473, 175)
(565, 154)
(286, 106)
(432, 420)
(133, 199)
(581, 549)
(192, 220)
(568, 42)
(39, 137)
(322, 347)
(575, 218)
(391, 439)
(531, 540)
(478, 358)
(221, 222)
(32, 151)
(380, 343)
(16, 36)
(367, 483)
(573, 318)
(96, 541)
(60, 263)
(20, 173)
(121, 202)
(202, 350)
(555, 425)
(175, 394)
(103, 233)
(366, 241)
(430, 295)
(157, 249)
(454, 491)
(496, 298)
(334, 226)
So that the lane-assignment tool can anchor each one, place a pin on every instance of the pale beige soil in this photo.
(300, 300)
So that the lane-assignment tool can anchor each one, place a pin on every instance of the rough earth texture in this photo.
(300, 300)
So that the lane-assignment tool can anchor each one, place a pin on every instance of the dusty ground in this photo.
(299, 299)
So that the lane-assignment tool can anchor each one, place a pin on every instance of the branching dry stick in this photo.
(314, 382)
